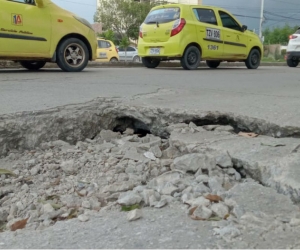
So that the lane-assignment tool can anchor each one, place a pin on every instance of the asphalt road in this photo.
(270, 93)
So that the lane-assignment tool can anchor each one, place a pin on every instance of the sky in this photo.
(83, 8)
(276, 12)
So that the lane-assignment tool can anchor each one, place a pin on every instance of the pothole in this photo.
(138, 127)
(80, 162)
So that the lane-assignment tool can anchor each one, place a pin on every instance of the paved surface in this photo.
(270, 93)
(113, 231)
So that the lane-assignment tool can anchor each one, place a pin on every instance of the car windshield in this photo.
(163, 15)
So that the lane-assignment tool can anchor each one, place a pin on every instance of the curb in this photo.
(9, 64)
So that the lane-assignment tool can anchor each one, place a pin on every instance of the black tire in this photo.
(292, 63)
(213, 64)
(114, 60)
(150, 63)
(191, 58)
(72, 55)
(136, 59)
(253, 60)
(33, 65)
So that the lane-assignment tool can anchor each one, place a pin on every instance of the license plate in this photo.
(212, 34)
(102, 55)
(154, 51)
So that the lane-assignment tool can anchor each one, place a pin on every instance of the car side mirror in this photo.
(39, 3)
(244, 28)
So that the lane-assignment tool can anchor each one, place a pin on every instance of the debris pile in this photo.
(122, 170)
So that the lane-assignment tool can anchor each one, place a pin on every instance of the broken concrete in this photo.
(73, 123)
(179, 164)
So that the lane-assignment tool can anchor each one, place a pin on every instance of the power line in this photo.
(256, 17)
(286, 2)
(286, 17)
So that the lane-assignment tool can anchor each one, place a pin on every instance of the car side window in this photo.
(205, 16)
(120, 49)
(108, 45)
(130, 49)
(24, 1)
(229, 22)
(102, 44)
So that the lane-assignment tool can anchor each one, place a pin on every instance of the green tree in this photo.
(110, 35)
(124, 43)
(123, 17)
(279, 35)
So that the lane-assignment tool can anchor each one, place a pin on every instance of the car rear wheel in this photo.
(72, 55)
(213, 64)
(191, 58)
(114, 59)
(253, 60)
(33, 65)
(292, 63)
(150, 62)
(136, 59)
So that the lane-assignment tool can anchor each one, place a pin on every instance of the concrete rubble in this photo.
(244, 187)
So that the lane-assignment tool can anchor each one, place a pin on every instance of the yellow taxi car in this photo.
(34, 32)
(192, 33)
(107, 51)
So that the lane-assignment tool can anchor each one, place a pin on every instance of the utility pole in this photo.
(261, 18)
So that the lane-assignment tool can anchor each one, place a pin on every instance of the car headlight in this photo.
(83, 21)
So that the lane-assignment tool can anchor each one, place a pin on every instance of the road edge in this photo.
(95, 64)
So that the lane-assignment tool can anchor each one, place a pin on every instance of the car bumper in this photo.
(295, 55)
(167, 49)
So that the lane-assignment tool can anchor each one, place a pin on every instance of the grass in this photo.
(270, 59)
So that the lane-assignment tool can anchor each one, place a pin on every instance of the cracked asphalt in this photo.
(269, 93)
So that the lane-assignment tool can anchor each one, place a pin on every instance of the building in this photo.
(97, 27)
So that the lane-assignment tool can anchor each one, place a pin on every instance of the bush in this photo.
(277, 54)
(266, 51)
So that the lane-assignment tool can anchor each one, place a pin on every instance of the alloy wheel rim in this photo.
(74, 55)
(294, 62)
(192, 58)
(254, 59)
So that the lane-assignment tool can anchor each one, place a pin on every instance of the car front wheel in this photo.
(150, 62)
(213, 64)
(136, 59)
(33, 65)
(191, 58)
(253, 60)
(72, 55)
(292, 63)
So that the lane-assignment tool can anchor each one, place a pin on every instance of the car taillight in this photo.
(117, 49)
(292, 37)
(141, 32)
(178, 26)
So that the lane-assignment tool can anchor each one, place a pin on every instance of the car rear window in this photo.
(298, 31)
(163, 15)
